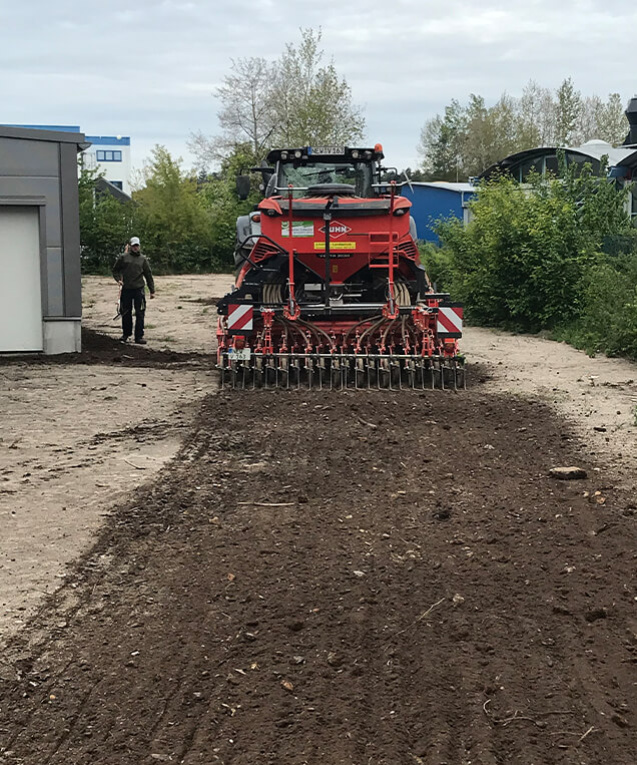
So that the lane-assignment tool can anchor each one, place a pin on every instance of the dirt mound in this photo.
(344, 578)
(98, 348)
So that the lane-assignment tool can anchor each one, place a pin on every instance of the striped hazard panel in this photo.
(450, 319)
(240, 318)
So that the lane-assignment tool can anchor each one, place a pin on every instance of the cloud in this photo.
(150, 70)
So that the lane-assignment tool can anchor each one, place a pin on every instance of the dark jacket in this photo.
(131, 269)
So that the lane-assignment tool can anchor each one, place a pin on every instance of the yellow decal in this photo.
(336, 245)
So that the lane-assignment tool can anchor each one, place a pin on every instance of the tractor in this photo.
(329, 288)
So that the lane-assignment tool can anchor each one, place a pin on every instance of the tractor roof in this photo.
(326, 154)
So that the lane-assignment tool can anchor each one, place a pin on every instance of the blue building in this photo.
(434, 200)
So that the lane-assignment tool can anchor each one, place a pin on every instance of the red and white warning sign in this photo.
(450, 320)
(240, 317)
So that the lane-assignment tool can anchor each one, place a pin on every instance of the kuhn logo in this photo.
(336, 229)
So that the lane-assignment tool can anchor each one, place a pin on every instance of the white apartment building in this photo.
(111, 156)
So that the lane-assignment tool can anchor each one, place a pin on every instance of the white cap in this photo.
(134, 240)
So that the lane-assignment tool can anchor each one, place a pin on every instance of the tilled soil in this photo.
(355, 577)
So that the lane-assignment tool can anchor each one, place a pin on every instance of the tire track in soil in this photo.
(407, 586)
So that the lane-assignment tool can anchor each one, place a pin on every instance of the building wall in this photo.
(430, 203)
(43, 174)
(110, 155)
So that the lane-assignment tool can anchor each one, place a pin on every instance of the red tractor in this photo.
(330, 291)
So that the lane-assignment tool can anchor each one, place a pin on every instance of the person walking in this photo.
(130, 270)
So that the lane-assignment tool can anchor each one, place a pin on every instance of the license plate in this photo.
(239, 354)
(328, 150)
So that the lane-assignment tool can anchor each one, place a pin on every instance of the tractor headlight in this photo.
(284, 155)
(400, 211)
(298, 154)
(355, 154)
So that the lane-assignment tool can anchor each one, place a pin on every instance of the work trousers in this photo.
(128, 299)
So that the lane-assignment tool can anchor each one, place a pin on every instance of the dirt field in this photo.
(81, 432)
(285, 577)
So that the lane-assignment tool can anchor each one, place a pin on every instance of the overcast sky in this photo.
(149, 69)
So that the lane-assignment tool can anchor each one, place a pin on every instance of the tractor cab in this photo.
(356, 172)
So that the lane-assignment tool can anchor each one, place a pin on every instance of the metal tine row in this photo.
(343, 371)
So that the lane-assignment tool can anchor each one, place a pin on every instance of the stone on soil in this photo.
(567, 473)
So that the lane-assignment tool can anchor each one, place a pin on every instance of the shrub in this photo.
(525, 259)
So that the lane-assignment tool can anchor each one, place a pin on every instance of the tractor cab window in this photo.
(303, 175)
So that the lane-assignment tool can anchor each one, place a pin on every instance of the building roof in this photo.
(59, 128)
(106, 187)
(630, 160)
(446, 185)
(109, 140)
(102, 140)
(37, 134)
(594, 149)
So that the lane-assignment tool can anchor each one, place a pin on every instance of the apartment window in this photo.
(108, 156)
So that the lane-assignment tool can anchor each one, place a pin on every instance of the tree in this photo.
(612, 125)
(535, 117)
(490, 133)
(588, 128)
(313, 104)
(172, 218)
(296, 100)
(441, 144)
(468, 139)
(106, 224)
(568, 113)
(248, 113)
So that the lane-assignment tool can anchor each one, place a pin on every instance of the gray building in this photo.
(40, 284)
(544, 159)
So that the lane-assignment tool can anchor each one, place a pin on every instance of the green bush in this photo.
(186, 224)
(528, 258)
(608, 319)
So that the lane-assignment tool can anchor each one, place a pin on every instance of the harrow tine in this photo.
(359, 367)
(462, 373)
(398, 376)
(303, 372)
(284, 369)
